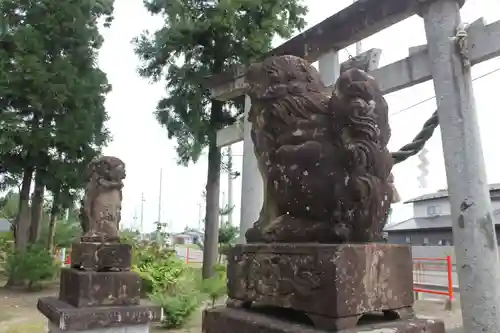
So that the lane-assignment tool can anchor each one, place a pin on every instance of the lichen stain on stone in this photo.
(486, 227)
(465, 205)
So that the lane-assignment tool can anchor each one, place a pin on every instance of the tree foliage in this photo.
(201, 38)
(228, 233)
(9, 206)
(52, 115)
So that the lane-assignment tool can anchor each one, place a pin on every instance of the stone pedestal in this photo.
(342, 288)
(124, 329)
(228, 320)
(99, 293)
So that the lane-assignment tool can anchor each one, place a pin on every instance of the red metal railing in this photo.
(425, 270)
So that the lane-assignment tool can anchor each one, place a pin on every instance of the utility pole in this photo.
(230, 184)
(223, 207)
(200, 214)
(142, 212)
(135, 220)
(159, 196)
(473, 232)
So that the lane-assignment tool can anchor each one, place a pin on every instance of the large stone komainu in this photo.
(324, 159)
(314, 261)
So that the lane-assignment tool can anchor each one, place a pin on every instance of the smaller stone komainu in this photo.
(101, 207)
(323, 157)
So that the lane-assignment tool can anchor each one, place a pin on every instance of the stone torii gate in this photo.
(404, 73)
(449, 67)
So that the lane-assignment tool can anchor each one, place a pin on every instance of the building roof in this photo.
(444, 194)
(189, 233)
(419, 223)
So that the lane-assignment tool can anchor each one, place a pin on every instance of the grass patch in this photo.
(27, 327)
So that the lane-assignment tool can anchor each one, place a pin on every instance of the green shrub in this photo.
(216, 286)
(178, 308)
(159, 268)
(160, 277)
(33, 266)
(6, 249)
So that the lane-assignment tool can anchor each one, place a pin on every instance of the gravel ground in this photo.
(432, 309)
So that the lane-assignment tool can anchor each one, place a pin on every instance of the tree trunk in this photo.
(22, 222)
(52, 223)
(210, 251)
(36, 208)
(23, 218)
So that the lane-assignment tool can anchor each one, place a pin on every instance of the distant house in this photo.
(188, 237)
(431, 222)
(4, 225)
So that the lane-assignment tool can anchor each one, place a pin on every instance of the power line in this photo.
(434, 96)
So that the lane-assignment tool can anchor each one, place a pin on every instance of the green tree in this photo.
(201, 38)
(66, 232)
(9, 206)
(228, 234)
(51, 99)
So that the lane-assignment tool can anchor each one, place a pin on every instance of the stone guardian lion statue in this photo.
(100, 213)
(323, 158)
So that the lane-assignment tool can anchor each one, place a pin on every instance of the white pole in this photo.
(358, 43)
(223, 206)
(142, 214)
(252, 188)
(230, 184)
(159, 196)
(471, 211)
(200, 214)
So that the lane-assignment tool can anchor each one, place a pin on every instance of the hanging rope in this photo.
(418, 142)
(460, 40)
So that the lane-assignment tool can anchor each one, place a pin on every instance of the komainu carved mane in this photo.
(323, 159)
(101, 209)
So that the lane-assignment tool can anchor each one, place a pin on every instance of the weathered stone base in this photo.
(334, 285)
(69, 318)
(231, 320)
(88, 288)
(124, 329)
(101, 256)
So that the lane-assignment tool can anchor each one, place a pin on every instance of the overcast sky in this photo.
(142, 143)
